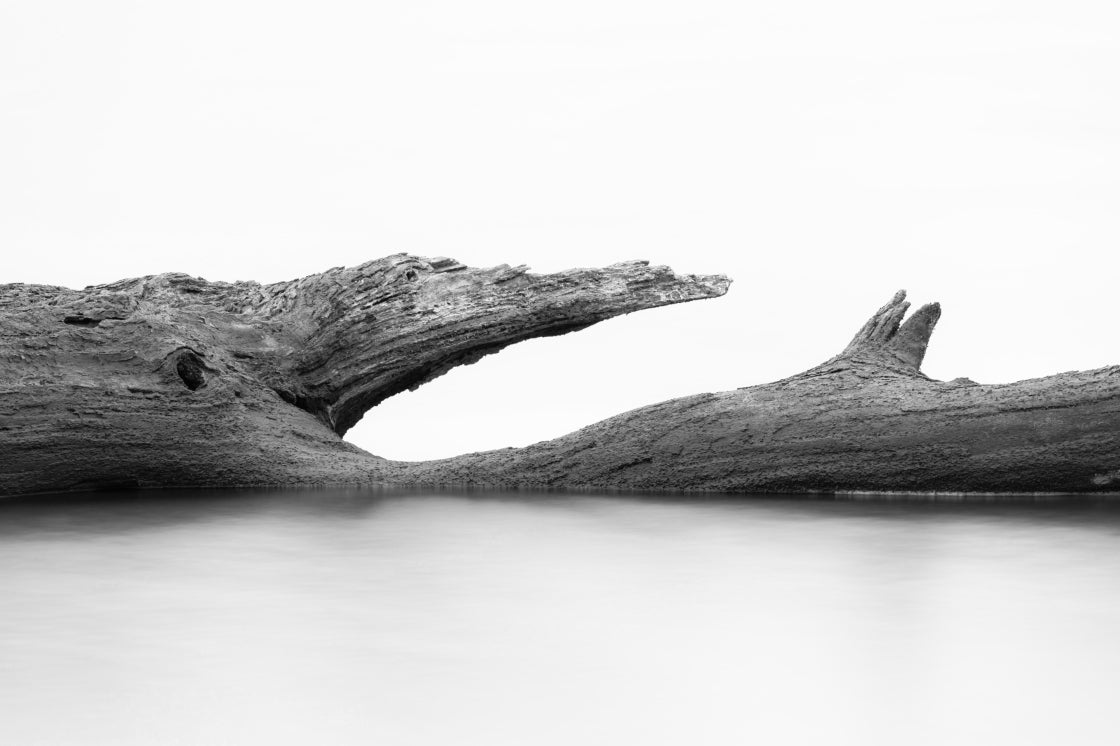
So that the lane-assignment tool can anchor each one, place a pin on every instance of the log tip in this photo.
(707, 286)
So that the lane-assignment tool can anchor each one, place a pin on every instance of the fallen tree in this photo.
(172, 380)
(865, 420)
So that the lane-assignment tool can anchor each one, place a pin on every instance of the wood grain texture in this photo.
(865, 420)
(171, 380)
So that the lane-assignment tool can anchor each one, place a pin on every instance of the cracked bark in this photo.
(172, 380)
(867, 419)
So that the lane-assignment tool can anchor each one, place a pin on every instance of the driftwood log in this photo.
(171, 380)
(866, 420)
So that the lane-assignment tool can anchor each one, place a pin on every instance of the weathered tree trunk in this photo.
(866, 420)
(172, 380)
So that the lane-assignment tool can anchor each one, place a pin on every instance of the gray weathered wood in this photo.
(866, 420)
(172, 380)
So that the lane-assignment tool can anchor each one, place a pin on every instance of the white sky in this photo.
(823, 154)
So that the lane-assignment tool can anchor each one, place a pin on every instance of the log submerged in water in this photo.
(171, 380)
(865, 420)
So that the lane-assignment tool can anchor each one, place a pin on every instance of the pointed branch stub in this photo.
(885, 340)
(363, 334)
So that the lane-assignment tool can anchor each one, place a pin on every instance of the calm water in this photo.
(364, 617)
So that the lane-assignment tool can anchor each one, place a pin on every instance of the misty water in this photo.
(347, 617)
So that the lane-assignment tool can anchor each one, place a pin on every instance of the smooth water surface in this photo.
(344, 617)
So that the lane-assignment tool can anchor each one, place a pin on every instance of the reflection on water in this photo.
(371, 617)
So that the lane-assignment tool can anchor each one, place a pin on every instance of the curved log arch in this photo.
(172, 380)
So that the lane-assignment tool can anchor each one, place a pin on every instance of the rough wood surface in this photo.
(172, 380)
(866, 420)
